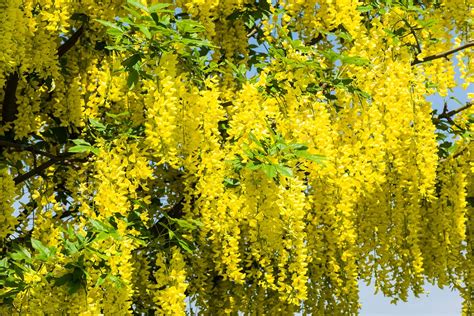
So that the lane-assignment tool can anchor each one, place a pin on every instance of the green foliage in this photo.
(75, 244)
(273, 155)
(149, 32)
(81, 146)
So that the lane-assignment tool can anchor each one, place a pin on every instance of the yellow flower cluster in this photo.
(231, 35)
(381, 207)
(169, 293)
(121, 170)
(7, 217)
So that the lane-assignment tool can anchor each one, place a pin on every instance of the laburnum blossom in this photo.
(233, 157)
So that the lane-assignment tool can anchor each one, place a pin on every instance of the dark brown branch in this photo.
(459, 110)
(67, 45)
(23, 177)
(459, 153)
(35, 171)
(413, 33)
(25, 147)
(9, 108)
(443, 54)
(446, 114)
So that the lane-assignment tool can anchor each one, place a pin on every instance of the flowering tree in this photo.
(223, 156)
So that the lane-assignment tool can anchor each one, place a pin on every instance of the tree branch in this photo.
(35, 171)
(9, 106)
(25, 147)
(447, 114)
(9, 109)
(69, 43)
(23, 177)
(443, 54)
(459, 110)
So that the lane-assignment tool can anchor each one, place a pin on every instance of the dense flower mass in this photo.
(217, 157)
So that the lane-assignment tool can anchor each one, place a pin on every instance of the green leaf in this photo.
(44, 251)
(453, 148)
(298, 147)
(135, 13)
(138, 5)
(343, 81)
(131, 61)
(70, 247)
(21, 254)
(99, 226)
(101, 236)
(254, 165)
(471, 118)
(66, 278)
(312, 157)
(189, 26)
(74, 287)
(283, 170)
(84, 149)
(4, 263)
(231, 182)
(116, 280)
(80, 142)
(97, 125)
(354, 60)
(184, 224)
(132, 79)
(101, 280)
(365, 8)
(255, 140)
(95, 151)
(269, 170)
(184, 244)
(362, 94)
(116, 116)
(110, 25)
(158, 7)
(145, 31)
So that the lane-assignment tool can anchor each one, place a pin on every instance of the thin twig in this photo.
(443, 54)
(465, 107)
(252, 32)
(67, 45)
(447, 114)
(412, 31)
(63, 157)
(459, 153)
(25, 147)
(23, 177)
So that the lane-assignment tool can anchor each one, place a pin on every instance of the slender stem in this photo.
(25, 147)
(63, 157)
(67, 45)
(465, 107)
(442, 54)
(412, 31)
(447, 114)
(23, 177)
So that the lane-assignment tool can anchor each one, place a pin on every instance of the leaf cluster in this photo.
(273, 155)
(149, 32)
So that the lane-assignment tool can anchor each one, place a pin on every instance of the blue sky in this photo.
(439, 302)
